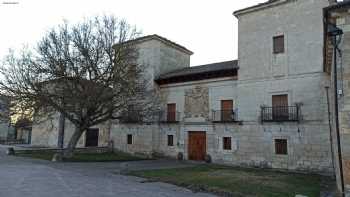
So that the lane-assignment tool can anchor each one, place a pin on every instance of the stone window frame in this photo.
(172, 137)
(286, 148)
(234, 143)
(290, 144)
(215, 104)
(129, 139)
(277, 41)
(276, 93)
(223, 143)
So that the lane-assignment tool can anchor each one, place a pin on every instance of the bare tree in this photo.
(87, 72)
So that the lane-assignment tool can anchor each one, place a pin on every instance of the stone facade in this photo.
(297, 73)
(341, 17)
(45, 133)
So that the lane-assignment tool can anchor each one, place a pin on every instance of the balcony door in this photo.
(171, 112)
(226, 110)
(280, 107)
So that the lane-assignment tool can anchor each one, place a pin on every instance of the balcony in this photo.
(280, 114)
(224, 116)
(169, 116)
(131, 117)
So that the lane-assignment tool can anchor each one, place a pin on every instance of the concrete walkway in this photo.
(38, 178)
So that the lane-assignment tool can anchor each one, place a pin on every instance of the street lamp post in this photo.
(335, 33)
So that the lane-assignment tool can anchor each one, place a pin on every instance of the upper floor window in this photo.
(227, 110)
(280, 100)
(171, 112)
(278, 44)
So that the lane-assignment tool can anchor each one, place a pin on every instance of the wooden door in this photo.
(226, 110)
(197, 145)
(91, 138)
(171, 113)
(280, 107)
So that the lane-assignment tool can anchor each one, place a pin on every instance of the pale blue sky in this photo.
(207, 27)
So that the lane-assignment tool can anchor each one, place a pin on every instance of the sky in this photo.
(206, 27)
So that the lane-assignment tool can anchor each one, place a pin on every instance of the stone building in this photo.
(339, 15)
(266, 109)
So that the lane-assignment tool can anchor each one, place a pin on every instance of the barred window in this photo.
(281, 146)
(170, 140)
(227, 145)
(278, 44)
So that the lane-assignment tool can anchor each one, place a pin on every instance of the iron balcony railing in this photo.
(169, 116)
(131, 117)
(280, 113)
(224, 116)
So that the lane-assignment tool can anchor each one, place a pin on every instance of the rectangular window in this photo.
(171, 112)
(227, 110)
(129, 139)
(226, 141)
(170, 140)
(278, 44)
(281, 147)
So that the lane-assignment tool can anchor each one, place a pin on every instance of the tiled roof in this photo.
(162, 39)
(199, 70)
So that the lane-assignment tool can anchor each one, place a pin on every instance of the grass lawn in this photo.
(85, 157)
(237, 181)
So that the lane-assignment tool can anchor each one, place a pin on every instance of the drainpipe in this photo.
(330, 127)
(336, 113)
(333, 31)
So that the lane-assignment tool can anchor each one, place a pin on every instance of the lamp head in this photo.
(333, 30)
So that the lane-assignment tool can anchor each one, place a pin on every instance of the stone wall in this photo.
(301, 23)
(252, 144)
(143, 141)
(343, 21)
(45, 133)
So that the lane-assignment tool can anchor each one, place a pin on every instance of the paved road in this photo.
(35, 178)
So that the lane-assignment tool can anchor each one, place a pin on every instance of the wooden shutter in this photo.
(280, 100)
(171, 112)
(226, 110)
(278, 44)
(280, 109)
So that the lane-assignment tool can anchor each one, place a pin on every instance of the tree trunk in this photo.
(68, 152)
(61, 126)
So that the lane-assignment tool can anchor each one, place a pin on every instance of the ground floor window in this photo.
(170, 140)
(281, 146)
(226, 141)
(129, 139)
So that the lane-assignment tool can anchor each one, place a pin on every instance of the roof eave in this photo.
(339, 5)
(258, 7)
(160, 39)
